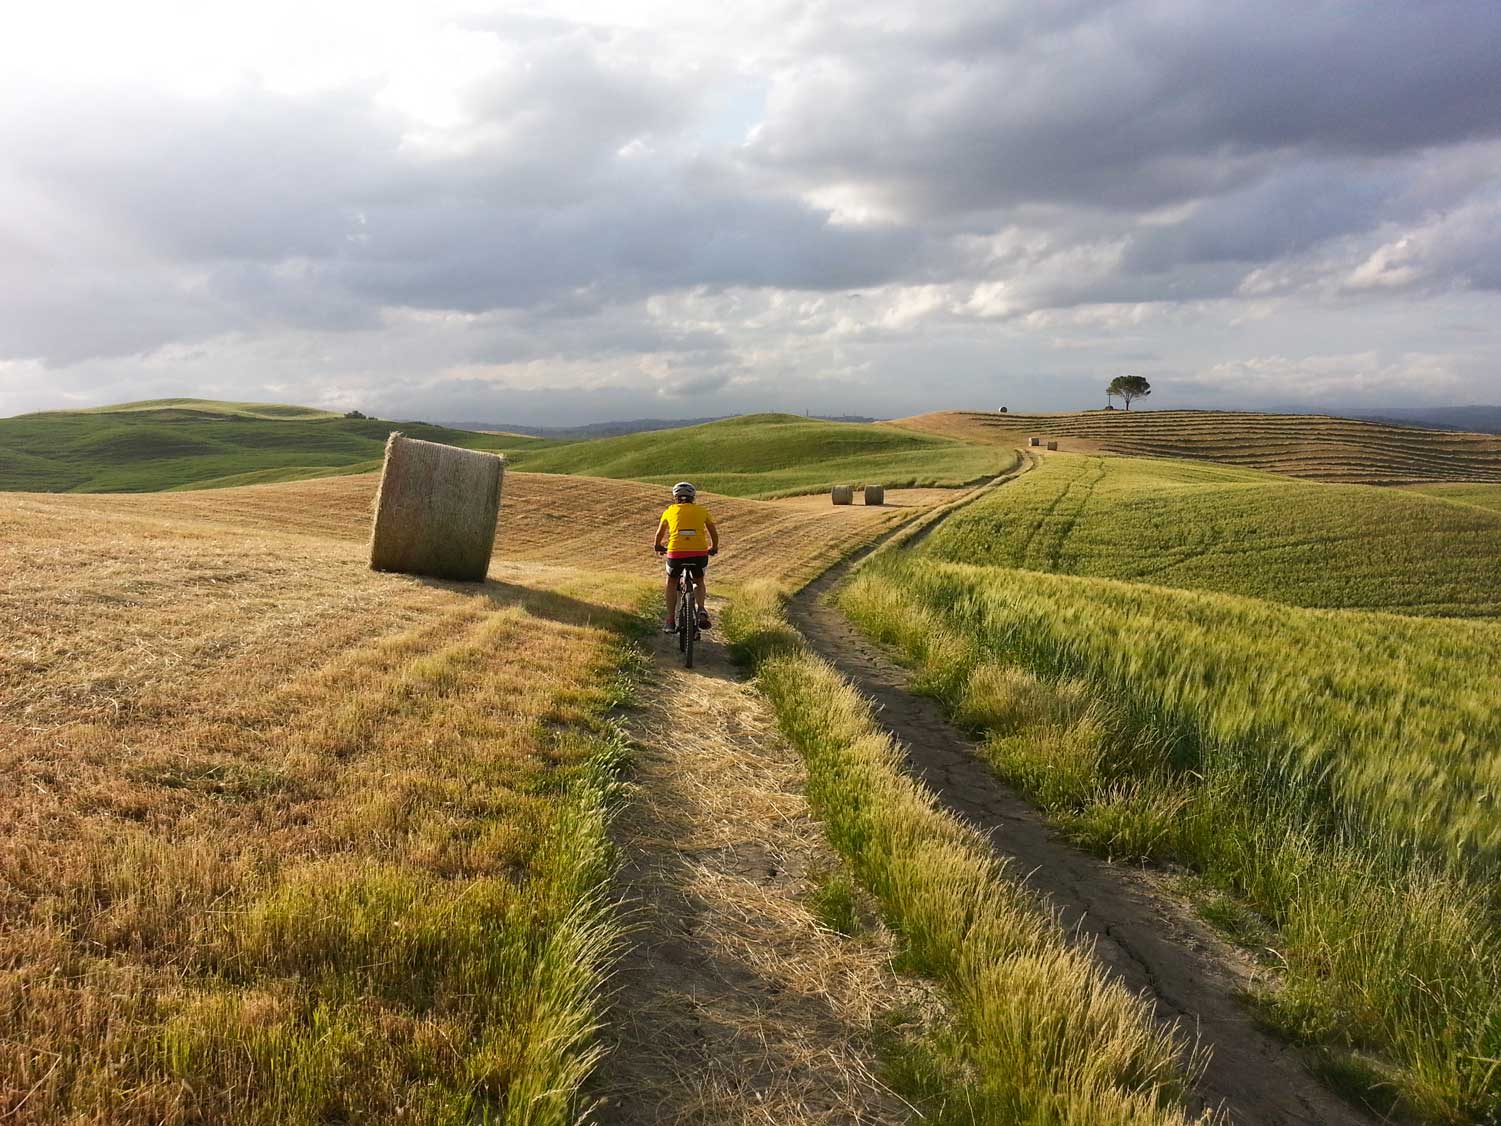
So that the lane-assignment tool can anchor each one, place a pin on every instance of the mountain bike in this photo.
(687, 614)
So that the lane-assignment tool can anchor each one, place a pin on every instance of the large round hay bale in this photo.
(436, 510)
(1036, 441)
(875, 494)
(1052, 445)
(843, 494)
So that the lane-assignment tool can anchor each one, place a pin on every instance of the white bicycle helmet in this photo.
(684, 491)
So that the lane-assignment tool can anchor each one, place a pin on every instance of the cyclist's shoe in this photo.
(669, 626)
(703, 619)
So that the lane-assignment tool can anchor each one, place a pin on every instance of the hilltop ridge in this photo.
(1318, 447)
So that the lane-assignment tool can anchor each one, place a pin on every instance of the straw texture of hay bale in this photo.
(1036, 441)
(875, 494)
(843, 494)
(1052, 445)
(436, 510)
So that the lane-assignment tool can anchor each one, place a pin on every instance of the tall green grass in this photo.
(1338, 771)
(1482, 496)
(1041, 1034)
(771, 455)
(1240, 531)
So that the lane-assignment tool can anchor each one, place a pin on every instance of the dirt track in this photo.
(1152, 942)
(734, 1005)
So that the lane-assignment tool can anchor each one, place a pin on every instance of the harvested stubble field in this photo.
(287, 840)
(1300, 445)
(1207, 527)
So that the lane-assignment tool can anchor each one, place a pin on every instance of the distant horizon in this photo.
(460, 421)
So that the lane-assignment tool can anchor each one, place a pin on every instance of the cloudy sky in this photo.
(568, 212)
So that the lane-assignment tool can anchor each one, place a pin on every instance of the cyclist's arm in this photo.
(661, 535)
(713, 535)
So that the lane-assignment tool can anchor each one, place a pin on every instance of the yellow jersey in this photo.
(687, 530)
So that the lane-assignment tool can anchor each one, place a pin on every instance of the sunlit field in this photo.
(778, 455)
(1485, 496)
(190, 443)
(291, 841)
(1205, 527)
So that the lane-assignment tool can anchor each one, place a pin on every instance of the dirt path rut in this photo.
(734, 1005)
(1150, 941)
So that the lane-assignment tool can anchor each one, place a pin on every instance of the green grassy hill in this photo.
(177, 443)
(1485, 496)
(1329, 771)
(769, 455)
(1205, 527)
(1319, 447)
(214, 407)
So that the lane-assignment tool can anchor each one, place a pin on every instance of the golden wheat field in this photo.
(1318, 447)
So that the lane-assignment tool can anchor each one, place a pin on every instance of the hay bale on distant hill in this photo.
(436, 510)
(1036, 441)
(875, 494)
(1052, 445)
(843, 494)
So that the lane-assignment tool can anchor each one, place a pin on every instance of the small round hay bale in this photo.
(436, 511)
(843, 494)
(1036, 441)
(1052, 445)
(875, 494)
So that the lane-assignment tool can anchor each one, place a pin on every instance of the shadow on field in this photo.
(538, 602)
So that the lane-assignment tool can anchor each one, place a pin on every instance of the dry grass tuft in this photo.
(436, 510)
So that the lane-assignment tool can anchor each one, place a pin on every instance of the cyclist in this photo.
(687, 535)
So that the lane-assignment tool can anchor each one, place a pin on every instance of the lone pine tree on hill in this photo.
(1128, 387)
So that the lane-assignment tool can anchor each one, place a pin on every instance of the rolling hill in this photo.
(208, 406)
(1318, 447)
(1207, 527)
(1486, 496)
(1286, 687)
(769, 455)
(189, 443)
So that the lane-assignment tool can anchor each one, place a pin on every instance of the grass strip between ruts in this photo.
(1041, 1034)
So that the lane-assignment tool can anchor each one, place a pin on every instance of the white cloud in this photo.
(403, 205)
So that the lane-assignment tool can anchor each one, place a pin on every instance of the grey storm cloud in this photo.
(695, 221)
(1131, 106)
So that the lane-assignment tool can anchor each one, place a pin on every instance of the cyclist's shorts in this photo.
(695, 563)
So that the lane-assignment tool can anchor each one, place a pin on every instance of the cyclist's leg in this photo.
(671, 595)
